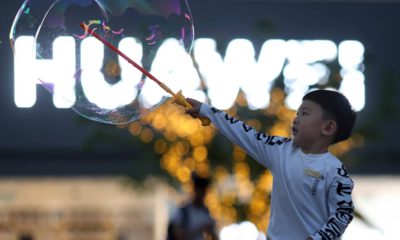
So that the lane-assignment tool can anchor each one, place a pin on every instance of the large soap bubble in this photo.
(86, 75)
(28, 18)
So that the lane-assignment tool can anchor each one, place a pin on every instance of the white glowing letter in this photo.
(351, 57)
(29, 71)
(96, 88)
(174, 67)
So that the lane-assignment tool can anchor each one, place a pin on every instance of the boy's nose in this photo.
(295, 121)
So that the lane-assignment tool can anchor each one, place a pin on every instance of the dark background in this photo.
(44, 140)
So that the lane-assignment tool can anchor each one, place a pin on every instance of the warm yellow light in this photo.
(190, 163)
(160, 146)
(187, 126)
(159, 121)
(241, 100)
(200, 153)
(147, 135)
(135, 128)
(197, 139)
(265, 182)
(203, 168)
(220, 173)
(229, 198)
(170, 136)
(239, 154)
(258, 205)
(245, 190)
(182, 147)
(254, 123)
(183, 174)
(357, 140)
(277, 100)
(341, 148)
(280, 129)
(242, 170)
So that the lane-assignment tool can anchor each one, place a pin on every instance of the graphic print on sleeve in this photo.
(341, 207)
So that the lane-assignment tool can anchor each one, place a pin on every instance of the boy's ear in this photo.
(329, 128)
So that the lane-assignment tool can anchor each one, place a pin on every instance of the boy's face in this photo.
(309, 125)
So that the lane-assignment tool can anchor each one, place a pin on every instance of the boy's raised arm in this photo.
(258, 145)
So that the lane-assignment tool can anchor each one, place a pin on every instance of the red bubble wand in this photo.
(178, 97)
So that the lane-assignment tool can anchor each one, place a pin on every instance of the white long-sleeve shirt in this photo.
(311, 194)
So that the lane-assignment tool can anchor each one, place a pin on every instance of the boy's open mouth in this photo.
(294, 130)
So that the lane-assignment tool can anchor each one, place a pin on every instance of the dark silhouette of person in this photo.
(193, 220)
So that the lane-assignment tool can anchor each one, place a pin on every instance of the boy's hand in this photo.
(192, 107)
(195, 110)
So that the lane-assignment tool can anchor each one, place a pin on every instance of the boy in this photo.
(311, 195)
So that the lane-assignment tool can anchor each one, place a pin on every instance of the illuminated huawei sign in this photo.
(302, 63)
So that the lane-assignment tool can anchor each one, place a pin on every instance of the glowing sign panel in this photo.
(302, 63)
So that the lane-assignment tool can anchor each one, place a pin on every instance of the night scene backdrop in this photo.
(44, 142)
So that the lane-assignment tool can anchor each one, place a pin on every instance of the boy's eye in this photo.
(301, 113)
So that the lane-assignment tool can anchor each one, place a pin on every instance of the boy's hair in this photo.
(337, 107)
